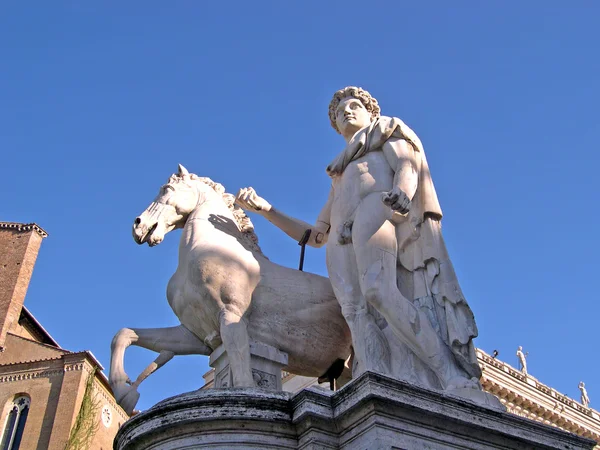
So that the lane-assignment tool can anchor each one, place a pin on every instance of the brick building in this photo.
(50, 398)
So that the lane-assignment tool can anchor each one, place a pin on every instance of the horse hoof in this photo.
(129, 401)
(125, 395)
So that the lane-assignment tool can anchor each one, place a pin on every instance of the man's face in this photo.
(351, 116)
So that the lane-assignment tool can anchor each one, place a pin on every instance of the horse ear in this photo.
(183, 171)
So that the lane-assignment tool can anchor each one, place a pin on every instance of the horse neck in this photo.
(212, 212)
(212, 204)
(214, 216)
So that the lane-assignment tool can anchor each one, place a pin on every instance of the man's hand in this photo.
(249, 200)
(397, 200)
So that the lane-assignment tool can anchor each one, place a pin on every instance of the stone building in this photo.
(523, 395)
(50, 398)
(526, 396)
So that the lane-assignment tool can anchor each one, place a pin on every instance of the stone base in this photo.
(266, 363)
(371, 412)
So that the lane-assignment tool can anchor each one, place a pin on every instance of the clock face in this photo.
(106, 416)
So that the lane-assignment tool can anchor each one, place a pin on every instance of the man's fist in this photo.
(397, 200)
(249, 200)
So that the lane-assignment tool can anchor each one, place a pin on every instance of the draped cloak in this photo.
(431, 284)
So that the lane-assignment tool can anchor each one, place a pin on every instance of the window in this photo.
(15, 423)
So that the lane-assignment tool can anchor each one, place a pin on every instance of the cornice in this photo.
(23, 227)
(31, 361)
(29, 374)
(20, 374)
(526, 396)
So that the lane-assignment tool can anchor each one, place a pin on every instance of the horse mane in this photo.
(249, 239)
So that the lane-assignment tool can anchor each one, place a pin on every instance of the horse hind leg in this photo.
(117, 378)
(234, 334)
(168, 342)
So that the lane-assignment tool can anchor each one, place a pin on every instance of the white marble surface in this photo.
(226, 292)
(585, 400)
(266, 363)
(386, 257)
(372, 412)
(522, 360)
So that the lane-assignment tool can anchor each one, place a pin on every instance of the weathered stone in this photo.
(371, 412)
(248, 418)
(266, 363)
(386, 257)
(226, 292)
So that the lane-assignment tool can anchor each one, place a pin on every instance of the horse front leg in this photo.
(234, 335)
(117, 378)
(168, 342)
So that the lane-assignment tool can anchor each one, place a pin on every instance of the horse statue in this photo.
(225, 291)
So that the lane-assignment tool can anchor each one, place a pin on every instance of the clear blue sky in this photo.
(99, 102)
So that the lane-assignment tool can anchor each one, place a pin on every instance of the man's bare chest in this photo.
(366, 174)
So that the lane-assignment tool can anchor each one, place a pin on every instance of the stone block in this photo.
(371, 412)
(266, 363)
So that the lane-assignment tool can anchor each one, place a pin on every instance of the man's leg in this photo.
(371, 349)
(375, 245)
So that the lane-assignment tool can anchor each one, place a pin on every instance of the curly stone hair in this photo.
(365, 98)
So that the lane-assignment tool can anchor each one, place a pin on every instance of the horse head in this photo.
(176, 199)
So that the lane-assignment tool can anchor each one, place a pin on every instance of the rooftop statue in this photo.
(522, 360)
(386, 257)
(585, 400)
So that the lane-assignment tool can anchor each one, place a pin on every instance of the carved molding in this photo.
(527, 397)
(31, 374)
(28, 374)
(75, 367)
(24, 227)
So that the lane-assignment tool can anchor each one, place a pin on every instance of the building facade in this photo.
(523, 395)
(50, 398)
(526, 396)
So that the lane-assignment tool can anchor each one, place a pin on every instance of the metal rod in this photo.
(302, 243)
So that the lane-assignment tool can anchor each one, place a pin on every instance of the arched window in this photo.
(15, 423)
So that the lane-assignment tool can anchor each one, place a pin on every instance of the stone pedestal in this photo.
(372, 412)
(266, 363)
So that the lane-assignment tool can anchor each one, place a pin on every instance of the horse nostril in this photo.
(138, 221)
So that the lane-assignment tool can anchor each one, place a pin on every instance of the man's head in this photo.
(351, 109)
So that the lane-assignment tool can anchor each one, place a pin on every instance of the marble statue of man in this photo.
(386, 257)
(585, 400)
(522, 360)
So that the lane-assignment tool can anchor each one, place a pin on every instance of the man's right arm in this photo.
(294, 228)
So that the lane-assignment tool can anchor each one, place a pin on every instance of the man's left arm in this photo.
(402, 159)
